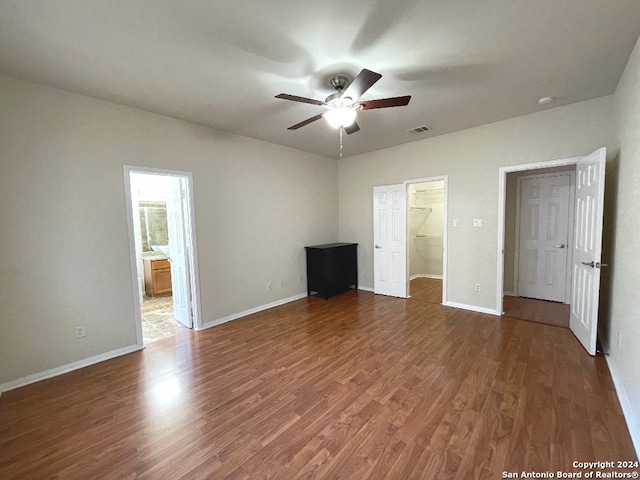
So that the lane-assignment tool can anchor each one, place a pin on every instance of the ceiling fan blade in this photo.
(353, 128)
(306, 122)
(295, 98)
(385, 102)
(362, 83)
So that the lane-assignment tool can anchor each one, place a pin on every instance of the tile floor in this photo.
(157, 319)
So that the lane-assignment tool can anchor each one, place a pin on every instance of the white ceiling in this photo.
(221, 62)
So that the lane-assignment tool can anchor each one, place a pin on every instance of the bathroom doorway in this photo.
(162, 251)
(426, 239)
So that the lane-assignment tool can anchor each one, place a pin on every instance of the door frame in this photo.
(502, 195)
(190, 240)
(516, 252)
(445, 229)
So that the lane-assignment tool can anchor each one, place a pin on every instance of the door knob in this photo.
(562, 245)
(595, 264)
(378, 246)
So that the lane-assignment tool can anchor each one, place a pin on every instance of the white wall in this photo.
(64, 254)
(471, 158)
(623, 317)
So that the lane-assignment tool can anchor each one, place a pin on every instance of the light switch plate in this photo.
(477, 222)
(456, 223)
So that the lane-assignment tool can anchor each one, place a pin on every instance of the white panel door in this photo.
(587, 248)
(543, 237)
(177, 253)
(389, 240)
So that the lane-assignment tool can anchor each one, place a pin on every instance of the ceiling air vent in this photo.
(421, 129)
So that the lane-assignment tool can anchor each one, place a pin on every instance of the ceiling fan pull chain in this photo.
(341, 129)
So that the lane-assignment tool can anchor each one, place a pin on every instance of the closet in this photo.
(426, 228)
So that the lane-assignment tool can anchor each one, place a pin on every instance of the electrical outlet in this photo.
(80, 331)
(282, 283)
(477, 222)
(619, 339)
(478, 287)
(269, 286)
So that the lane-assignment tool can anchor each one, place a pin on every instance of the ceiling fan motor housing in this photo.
(339, 82)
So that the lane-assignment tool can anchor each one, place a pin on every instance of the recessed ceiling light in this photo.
(545, 100)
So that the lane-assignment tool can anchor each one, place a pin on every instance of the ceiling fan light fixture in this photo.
(340, 117)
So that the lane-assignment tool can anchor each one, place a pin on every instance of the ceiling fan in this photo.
(344, 104)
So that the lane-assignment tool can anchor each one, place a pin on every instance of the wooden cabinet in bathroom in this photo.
(157, 277)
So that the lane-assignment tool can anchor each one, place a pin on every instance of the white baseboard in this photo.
(510, 294)
(627, 410)
(425, 275)
(235, 316)
(69, 367)
(366, 289)
(473, 308)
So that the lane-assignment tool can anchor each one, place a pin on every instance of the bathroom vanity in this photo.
(157, 277)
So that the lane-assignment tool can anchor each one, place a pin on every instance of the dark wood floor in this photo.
(360, 386)
(529, 309)
(539, 311)
(426, 290)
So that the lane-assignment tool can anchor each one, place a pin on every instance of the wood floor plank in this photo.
(539, 311)
(426, 290)
(360, 386)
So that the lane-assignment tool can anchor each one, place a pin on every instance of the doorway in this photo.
(425, 245)
(163, 252)
(583, 289)
(538, 233)
(539, 215)
(410, 239)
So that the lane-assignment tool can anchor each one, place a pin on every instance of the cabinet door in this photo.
(331, 267)
(314, 273)
(348, 265)
(162, 281)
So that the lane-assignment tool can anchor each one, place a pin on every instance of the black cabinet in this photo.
(332, 268)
